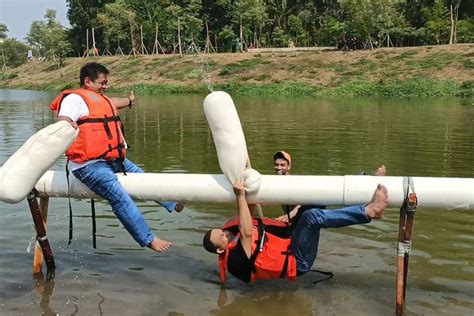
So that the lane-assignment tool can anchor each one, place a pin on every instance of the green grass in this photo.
(405, 88)
(240, 67)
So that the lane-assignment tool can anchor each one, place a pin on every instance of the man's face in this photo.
(281, 166)
(99, 85)
(221, 238)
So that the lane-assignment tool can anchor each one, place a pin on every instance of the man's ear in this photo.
(220, 251)
(87, 81)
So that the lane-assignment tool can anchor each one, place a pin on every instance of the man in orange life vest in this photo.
(256, 254)
(99, 150)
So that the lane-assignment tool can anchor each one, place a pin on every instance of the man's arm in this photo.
(124, 102)
(245, 219)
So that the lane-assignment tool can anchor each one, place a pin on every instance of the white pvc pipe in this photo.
(441, 193)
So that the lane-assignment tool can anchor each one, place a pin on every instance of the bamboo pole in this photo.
(143, 49)
(94, 49)
(86, 53)
(179, 39)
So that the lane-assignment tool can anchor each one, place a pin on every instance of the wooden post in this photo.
(41, 236)
(405, 229)
(38, 258)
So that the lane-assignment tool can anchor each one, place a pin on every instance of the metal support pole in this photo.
(41, 236)
(405, 229)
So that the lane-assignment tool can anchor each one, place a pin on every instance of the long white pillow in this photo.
(23, 169)
(229, 139)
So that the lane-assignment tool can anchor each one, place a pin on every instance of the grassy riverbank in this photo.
(395, 72)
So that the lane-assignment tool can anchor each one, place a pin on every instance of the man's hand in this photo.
(239, 188)
(283, 219)
(131, 97)
(67, 119)
(293, 212)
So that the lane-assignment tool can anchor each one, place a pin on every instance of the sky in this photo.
(18, 14)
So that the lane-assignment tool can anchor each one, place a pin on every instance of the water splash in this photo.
(201, 59)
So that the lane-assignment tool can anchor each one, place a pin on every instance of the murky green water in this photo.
(170, 134)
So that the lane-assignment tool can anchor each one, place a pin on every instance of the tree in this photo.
(296, 30)
(14, 52)
(118, 22)
(81, 14)
(454, 14)
(3, 31)
(436, 21)
(49, 37)
(361, 18)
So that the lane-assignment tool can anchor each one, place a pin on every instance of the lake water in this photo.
(169, 134)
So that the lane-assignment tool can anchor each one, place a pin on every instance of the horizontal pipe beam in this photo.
(439, 193)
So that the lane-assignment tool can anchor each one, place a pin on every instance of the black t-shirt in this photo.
(238, 264)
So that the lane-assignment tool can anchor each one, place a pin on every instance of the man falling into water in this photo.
(257, 254)
(99, 150)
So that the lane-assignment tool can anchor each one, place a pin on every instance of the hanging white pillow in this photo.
(227, 132)
(25, 167)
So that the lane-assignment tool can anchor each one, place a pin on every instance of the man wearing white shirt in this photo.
(99, 151)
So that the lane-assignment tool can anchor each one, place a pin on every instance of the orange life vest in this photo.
(100, 132)
(271, 255)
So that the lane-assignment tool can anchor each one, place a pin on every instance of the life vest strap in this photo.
(260, 242)
(106, 119)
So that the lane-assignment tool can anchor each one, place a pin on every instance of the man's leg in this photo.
(305, 237)
(100, 178)
(130, 167)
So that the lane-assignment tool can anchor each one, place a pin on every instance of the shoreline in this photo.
(427, 71)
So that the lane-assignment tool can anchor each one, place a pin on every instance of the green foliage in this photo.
(264, 23)
(81, 15)
(240, 67)
(405, 88)
(465, 31)
(14, 52)
(437, 22)
(3, 31)
(49, 37)
(117, 22)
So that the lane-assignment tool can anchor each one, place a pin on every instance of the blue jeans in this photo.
(101, 178)
(305, 239)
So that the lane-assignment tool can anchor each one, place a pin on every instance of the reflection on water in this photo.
(170, 134)
(44, 286)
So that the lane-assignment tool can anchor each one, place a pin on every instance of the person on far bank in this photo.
(282, 166)
(99, 151)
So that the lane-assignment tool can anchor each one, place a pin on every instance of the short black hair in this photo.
(91, 70)
(207, 244)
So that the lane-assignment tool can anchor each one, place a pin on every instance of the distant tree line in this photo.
(124, 26)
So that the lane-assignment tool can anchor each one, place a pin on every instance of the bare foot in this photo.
(381, 171)
(179, 207)
(376, 206)
(159, 245)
